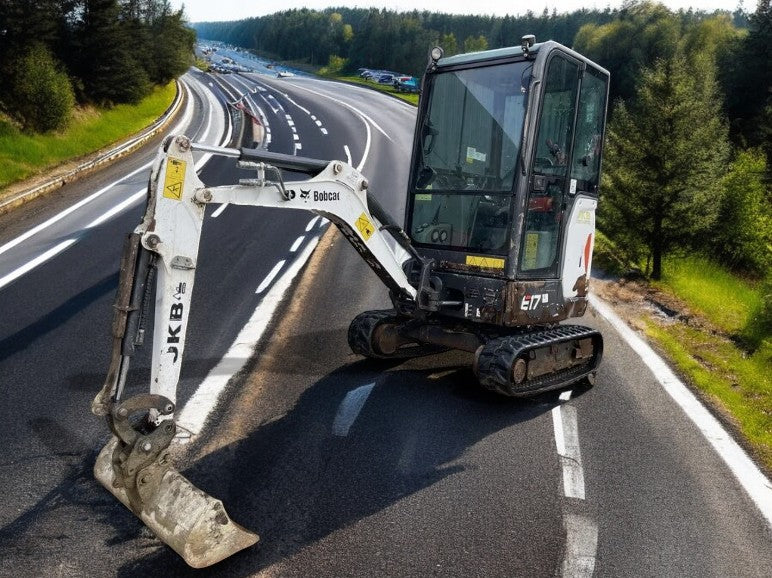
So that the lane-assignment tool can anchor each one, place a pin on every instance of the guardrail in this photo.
(15, 198)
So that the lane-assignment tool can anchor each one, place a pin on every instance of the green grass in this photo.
(735, 382)
(718, 295)
(23, 155)
(411, 98)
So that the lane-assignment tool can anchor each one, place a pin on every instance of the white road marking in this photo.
(58, 217)
(297, 243)
(348, 153)
(117, 209)
(193, 415)
(311, 223)
(359, 112)
(269, 278)
(349, 409)
(219, 210)
(130, 201)
(581, 546)
(40, 259)
(567, 442)
(324, 130)
(755, 483)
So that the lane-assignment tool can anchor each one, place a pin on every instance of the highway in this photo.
(345, 467)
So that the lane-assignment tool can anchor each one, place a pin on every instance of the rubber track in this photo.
(494, 364)
(360, 333)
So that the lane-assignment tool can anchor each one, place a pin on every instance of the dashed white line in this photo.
(350, 408)
(581, 546)
(297, 243)
(567, 442)
(311, 223)
(193, 415)
(219, 210)
(324, 130)
(270, 277)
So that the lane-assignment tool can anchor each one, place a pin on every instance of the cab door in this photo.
(549, 187)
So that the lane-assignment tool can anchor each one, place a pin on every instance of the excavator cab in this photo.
(504, 181)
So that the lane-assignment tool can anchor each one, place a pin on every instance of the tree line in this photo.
(689, 142)
(56, 54)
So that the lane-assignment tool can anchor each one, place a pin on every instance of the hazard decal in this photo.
(175, 179)
(485, 262)
(365, 227)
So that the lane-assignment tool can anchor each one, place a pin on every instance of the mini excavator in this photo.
(495, 252)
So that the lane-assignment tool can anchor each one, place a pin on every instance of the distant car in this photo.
(410, 85)
(284, 74)
(386, 79)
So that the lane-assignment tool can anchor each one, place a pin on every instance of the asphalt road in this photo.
(345, 467)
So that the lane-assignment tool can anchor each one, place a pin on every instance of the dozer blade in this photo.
(190, 521)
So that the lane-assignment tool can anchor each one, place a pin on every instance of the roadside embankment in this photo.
(33, 165)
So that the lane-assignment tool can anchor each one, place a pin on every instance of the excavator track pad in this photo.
(533, 362)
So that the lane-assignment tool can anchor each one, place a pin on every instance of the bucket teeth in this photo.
(190, 521)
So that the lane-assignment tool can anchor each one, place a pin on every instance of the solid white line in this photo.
(581, 546)
(59, 216)
(297, 243)
(755, 483)
(348, 153)
(269, 278)
(217, 212)
(119, 208)
(29, 266)
(349, 409)
(195, 412)
(311, 223)
(125, 204)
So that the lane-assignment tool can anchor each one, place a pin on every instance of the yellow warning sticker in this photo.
(531, 250)
(175, 179)
(486, 262)
(365, 227)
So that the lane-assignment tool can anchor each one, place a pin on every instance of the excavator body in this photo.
(495, 253)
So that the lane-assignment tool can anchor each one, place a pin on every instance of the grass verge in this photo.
(23, 155)
(387, 88)
(715, 330)
(735, 383)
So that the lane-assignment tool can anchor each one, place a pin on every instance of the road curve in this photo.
(344, 466)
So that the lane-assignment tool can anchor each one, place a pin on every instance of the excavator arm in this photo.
(162, 255)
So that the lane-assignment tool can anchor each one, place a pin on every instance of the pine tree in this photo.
(666, 154)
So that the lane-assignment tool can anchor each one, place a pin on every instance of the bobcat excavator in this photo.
(495, 253)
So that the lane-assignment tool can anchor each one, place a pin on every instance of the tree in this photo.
(41, 95)
(744, 235)
(107, 64)
(665, 156)
(472, 44)
(449, 44)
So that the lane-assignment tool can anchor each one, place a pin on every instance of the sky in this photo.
(208, 10)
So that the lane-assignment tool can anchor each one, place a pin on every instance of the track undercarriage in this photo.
(517, 363)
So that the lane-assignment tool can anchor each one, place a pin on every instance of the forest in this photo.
(688, 144)
(55, 55)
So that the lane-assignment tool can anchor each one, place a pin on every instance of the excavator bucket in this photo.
(135, 467)
(190, 521)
